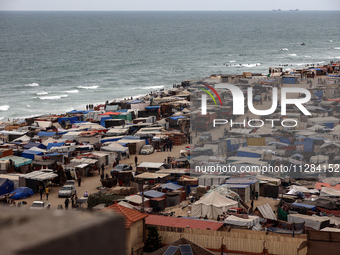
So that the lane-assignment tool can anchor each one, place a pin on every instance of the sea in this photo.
(55, 62)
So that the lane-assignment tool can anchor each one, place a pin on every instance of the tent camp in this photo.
(212, 205)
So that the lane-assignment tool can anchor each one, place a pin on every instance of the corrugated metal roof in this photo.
(267, 212)
(130, 215)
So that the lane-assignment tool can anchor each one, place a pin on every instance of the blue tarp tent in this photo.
(30, 145)
(152, 107)
(75, 112)
(6, 186)
(22, 192)
(178, 117)
(102, 120)
(43, 133)
(30, 154)
(50, 145)
(70, 119)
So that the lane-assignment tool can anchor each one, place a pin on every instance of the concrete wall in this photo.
(56, 232)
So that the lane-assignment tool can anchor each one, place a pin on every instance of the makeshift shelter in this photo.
(237, 221)
(122, 152)
(21, 193)
(30, 154)
(315, 222)
(212, 205)
(36, 178)
(6, 186)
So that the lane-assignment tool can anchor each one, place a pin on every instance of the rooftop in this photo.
(130, 215)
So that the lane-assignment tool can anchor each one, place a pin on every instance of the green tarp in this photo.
(282, 215)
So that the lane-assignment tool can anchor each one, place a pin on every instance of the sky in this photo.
(167, 5)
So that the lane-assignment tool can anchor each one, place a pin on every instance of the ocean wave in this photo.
(284, 49)
(87, 87)
(71, 91)
(232, 61)
(4, 108)
(53, 97)
(41, 93)
(28, 106)
(308, 56)
(34, 84)
(337, 48)
(251, 65)
(153, 87)
(1, 118)
(292, 55)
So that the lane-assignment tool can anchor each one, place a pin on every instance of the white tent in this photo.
(212, 205)
(237, 221)
(329, 192)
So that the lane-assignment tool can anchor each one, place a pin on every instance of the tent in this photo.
(212, 205)
(22, 192)
(6, 186)
(237, 221)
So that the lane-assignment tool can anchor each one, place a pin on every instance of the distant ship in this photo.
(296, 10)
(278, 10)
(303, 43)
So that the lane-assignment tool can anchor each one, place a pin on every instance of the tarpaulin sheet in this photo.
(6, 186)
(282, 215)
(70, 119)
(310, 207)
(177, 117)
(334, 212)
(102, 121)
(152, 107)
(50, 145)
(43, 133)
(22, 192)
(30, 145)
(30, 154)
(76, 112)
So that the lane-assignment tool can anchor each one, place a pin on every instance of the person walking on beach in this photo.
(103, 168)
(47, 191)
(136, 160)
(79, 181)
(67, 201)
